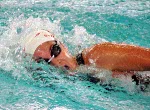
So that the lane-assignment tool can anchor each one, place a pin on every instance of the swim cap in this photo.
(34, 39)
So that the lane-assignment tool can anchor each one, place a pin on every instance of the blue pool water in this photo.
(79, 24)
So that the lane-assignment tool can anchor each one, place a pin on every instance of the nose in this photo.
(68, 62)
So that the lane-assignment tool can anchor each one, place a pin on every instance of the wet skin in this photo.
(118, 57)
(64, 59)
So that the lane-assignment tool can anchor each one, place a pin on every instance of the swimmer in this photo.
(43, 44)
(118, 58)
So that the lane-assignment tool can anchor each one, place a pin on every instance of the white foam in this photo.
(11, 53)
(60, 108)
(81, 39)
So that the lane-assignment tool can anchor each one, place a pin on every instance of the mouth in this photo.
(66, 67)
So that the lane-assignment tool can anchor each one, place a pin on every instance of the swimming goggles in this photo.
(55, 50)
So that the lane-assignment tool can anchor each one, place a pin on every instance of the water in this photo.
(79, 25)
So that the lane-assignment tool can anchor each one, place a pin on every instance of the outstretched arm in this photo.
(117, 57)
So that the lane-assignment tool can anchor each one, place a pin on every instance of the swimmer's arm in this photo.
(117, 57)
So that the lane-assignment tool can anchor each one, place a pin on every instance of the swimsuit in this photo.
(79, 59)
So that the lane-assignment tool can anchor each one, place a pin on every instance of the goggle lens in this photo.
(55, 50)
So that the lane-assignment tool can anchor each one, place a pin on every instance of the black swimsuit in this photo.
(79, 59)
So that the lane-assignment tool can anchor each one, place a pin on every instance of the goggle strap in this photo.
(57, 42)
(51, 59)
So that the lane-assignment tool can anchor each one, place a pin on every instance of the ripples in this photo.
(26, 84)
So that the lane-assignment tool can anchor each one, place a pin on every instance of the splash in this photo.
(12, 55)
(99, 20)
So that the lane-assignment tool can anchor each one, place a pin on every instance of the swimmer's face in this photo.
(62, 58)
